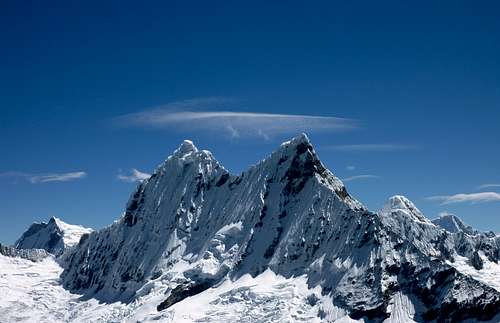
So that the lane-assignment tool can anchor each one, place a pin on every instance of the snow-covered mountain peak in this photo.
(55, 236)
(297, 162)
(452, 223)
(186, 147)
(185, 152)
(401, 204)
(297, 145)
(187, 156)
(56, 222)
(300, 139)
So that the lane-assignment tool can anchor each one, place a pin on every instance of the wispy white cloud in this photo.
(65, 177)
(46, 178)
(214, 114)
(359, 177)
(371, 147)
(135, 176)
(466, 197)
(351, 167)
(484, 186)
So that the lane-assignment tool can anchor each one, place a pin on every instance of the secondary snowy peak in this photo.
(453, 224)
(55, 236)
(186, 147)
(402, 205)
(187, 154)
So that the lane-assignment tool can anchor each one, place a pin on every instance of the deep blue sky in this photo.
(421, 78)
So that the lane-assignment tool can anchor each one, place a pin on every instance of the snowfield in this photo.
(489, 274)
(31, 292)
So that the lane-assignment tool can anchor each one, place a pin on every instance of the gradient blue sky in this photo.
(419, 81)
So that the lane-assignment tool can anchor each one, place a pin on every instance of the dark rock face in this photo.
(303, 166)
(134, 204)
(34, 228)
(46, 236)
(184, 291)
(476, 261)
(222, 180)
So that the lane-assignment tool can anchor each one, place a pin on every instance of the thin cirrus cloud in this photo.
(45, 178)
(370, 147)
(484, 186)
(215, 115)
(482, 197)
(360, 177)
(135, 176)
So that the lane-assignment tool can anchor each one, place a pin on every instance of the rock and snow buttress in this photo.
(54, 236)
(194, 226)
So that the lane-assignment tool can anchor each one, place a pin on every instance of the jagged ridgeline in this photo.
(290, 214)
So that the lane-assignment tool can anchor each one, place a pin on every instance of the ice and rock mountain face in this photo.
(454, 224)
(55, 236)
(193, 210)
(192, 226)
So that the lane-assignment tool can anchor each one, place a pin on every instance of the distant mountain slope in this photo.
(192, 226)
(454, 224)
(54, 237)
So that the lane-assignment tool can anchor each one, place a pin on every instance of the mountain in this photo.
(55, 236)
(454, 224)
(193, 232)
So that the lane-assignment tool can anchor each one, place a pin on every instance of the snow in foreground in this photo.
(31, 292)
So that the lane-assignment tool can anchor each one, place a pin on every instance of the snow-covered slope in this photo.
(55, 236)
(192, 225)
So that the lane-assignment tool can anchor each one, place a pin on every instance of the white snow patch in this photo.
(71, 233)
(489, 275)
(402, 309)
